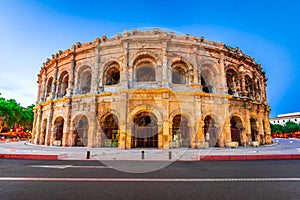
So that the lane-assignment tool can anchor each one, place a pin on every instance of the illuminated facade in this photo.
(151, 89)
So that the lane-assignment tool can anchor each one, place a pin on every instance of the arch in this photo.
(248, 85)
(111, 75)
(58, 128)
(84, 80)
(254, 130)
(148, 108)
(183, 112)
(211, 131)
(109, 124)
(179, 72)
(80, 133)
(144, 66)
(206, 86)
(146, 56)
(145, 73)
(209, 74)
(236, 127)
(232, 81)
(181, 131)
(63, 84)
(42, 136)
(144, 132)
(49, 87)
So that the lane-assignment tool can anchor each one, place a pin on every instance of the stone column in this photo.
(66, 130)
(221, 88)
(49, 129)
(37, 124)
(165, 120)
(71, 89)
(243, 85)
(248, 124)
(199, 136)
(165, 78)
(55, 80)
(161, 135)
(124, 70)
(93, 124)
(96, 75)
(196, 78)
(123, 120)
(44, 87)
(35, 131)
(39, 88)
(131, 76)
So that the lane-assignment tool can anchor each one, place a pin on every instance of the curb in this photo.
(248, 157)
(29, 156)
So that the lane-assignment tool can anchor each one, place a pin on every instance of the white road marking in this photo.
(150, 179)
(69, 166)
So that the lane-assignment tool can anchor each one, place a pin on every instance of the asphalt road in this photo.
(25, 179)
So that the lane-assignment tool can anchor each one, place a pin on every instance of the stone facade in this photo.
(151, 88)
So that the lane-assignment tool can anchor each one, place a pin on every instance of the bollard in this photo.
(170, 155)
(88, 153)
(143, 155)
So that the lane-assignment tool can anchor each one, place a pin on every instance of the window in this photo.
(86, 82)
(112, 76)
(205, 87)
(145, 73)
(49, 87)
(178, 75)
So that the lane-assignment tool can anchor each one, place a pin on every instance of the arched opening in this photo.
(110, 129)
(80, 134)
(207, 88)
(254, 131)
(248, 86)
(144, 131)
(231, 78)
(43, 133)
(58, 128)
(49, 87)
(236, 127)
(179, 75)
(145, 72)
(180, 131)
(86, 82)
(63, 84)
(211, 132)
(112, 76)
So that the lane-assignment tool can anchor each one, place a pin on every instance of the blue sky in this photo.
(31, 31)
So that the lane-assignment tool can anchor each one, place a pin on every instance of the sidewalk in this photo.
(282, 149)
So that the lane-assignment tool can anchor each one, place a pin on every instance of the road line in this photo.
(69, 166)
(151, 179)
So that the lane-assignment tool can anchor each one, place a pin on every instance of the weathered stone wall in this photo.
(208, 86)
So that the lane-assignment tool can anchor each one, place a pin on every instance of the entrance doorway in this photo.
(254, 131)
(110, 129)
(144, 131)
(59, 127)
(180, 131)
(235, 129)
(211, 132)
(80, 135)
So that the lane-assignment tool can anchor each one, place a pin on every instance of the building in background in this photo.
(284, 118)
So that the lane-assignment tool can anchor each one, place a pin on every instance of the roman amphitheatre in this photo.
(151, 89)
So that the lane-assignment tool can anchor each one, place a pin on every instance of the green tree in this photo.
(12, 114)
(291, 127)
(276, 128)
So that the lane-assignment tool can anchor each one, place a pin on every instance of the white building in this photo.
(283, 118)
